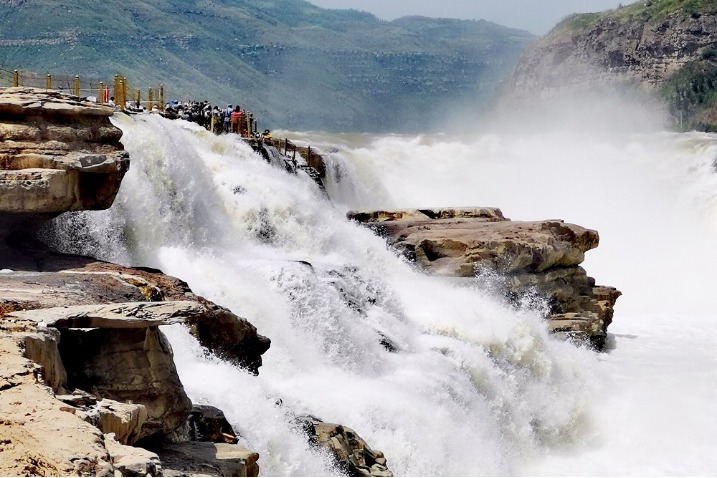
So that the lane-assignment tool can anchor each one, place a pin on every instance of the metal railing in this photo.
(117, 92)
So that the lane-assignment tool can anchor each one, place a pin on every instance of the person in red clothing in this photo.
(236, 119)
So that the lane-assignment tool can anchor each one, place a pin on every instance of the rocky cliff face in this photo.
(57, 154)
(521, 258)
(640, 47)
(81, 340)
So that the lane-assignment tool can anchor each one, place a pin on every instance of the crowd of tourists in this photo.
(232, 119)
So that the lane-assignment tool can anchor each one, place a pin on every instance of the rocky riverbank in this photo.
(88, 384)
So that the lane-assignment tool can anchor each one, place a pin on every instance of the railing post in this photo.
(48, 86)
(151, 100)
(119, 100)
(116, 89)
(77, 85)
(161, 98)
(15, 78)
(124, 92)
(101, 94)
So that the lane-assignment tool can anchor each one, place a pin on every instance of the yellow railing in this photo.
(117, 92)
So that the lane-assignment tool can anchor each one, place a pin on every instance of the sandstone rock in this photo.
(207, 423)
(42, 348)
(207, 459)
(132, 461)
(123, 420)
(38, 437)
(538, 257)
(350, 451)
(230, 337)
(86, 325)
(70, 297)
(129, 315)
(456, 246)
(128, 365)
(486, 213)
(57, 154)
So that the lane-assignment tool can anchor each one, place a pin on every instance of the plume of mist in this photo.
(570, 96)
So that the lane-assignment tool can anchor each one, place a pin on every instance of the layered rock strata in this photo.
(539, 257)
(57, 154)
(634, 44)
(85, 337)
(634, 54)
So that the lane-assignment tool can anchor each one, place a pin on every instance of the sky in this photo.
(536, 16)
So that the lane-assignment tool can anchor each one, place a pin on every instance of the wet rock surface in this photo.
(351, 454)
(524, 257)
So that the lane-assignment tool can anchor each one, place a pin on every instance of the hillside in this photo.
(663, 49)
(295, 65)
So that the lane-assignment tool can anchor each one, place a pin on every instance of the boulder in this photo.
(207, 423)
(519, 257)
(132, 461)
(351, 453)
(123, 420)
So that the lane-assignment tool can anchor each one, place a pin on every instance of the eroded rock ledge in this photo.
(540, 257)
(81, 346)
(57, 154)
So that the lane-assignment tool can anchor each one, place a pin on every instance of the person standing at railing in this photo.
(227, 118)
(236, 118)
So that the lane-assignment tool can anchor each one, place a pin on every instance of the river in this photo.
(476, 387)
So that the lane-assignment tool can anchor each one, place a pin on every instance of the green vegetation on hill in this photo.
(679, 36)
(692, 93)
(644, 10)
(295, 65)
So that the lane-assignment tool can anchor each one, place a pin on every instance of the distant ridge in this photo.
(296, 65)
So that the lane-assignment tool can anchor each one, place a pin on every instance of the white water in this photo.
(476, 388)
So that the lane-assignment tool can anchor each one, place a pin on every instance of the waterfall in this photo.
(475, 386)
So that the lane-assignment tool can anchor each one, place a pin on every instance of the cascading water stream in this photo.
(476, 387)
(653, 198)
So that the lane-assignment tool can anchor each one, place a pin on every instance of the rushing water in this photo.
(476, 387)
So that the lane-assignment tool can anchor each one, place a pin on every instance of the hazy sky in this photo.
(537, 16)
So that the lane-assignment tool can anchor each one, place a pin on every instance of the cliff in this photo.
(57, 154)
(663, 49)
